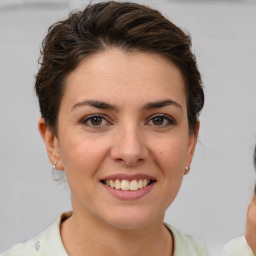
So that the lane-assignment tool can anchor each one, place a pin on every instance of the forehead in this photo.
(114, 74)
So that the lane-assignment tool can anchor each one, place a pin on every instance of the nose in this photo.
(129, 146)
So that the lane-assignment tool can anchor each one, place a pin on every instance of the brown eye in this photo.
(159, 120)
(96, 120)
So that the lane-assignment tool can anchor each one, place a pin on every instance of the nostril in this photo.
(129, 148)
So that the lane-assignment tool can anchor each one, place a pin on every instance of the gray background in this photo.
(214, 196)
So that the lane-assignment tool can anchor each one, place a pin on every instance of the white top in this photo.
(238, 247)
(49, 243)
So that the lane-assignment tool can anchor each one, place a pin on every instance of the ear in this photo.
(51, 143)
(192, 144)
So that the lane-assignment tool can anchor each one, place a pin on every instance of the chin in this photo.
(132, 219)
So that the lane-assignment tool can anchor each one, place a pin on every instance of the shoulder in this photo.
(28, 248)
(238, 247)
(47, 242)
(187, 244)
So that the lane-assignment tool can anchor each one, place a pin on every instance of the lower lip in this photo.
(128, 194)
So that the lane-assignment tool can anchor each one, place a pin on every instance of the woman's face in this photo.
(123, 137)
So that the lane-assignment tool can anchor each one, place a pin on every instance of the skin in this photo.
(127, 140)
(250, 233)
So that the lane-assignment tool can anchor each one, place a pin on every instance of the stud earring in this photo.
(54, 165)
(57, 174)
(187, 169)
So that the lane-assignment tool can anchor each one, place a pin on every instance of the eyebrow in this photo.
(161, 104)
(95, 104)
(105, 105)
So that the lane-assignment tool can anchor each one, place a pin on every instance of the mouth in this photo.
(128, 185)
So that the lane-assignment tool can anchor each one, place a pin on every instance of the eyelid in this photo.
(85, 119)
(170, 120)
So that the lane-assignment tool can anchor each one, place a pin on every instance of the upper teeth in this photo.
(127, 185)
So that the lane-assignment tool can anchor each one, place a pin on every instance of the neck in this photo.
(88, 236)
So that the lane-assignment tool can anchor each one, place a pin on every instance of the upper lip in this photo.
(122, 176)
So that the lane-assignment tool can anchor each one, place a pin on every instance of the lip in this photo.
(127, 194)
(121, 176)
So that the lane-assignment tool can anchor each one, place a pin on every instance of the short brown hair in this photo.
(128, 26)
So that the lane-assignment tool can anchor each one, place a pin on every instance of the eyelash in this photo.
(167, 120)
(164, 117)
(87, 119)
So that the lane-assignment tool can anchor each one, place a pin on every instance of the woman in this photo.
(246, 246)
(120, 95)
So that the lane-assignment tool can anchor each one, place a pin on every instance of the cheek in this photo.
(172, 153)
(83, 156)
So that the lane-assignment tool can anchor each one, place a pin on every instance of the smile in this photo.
(126, 185)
